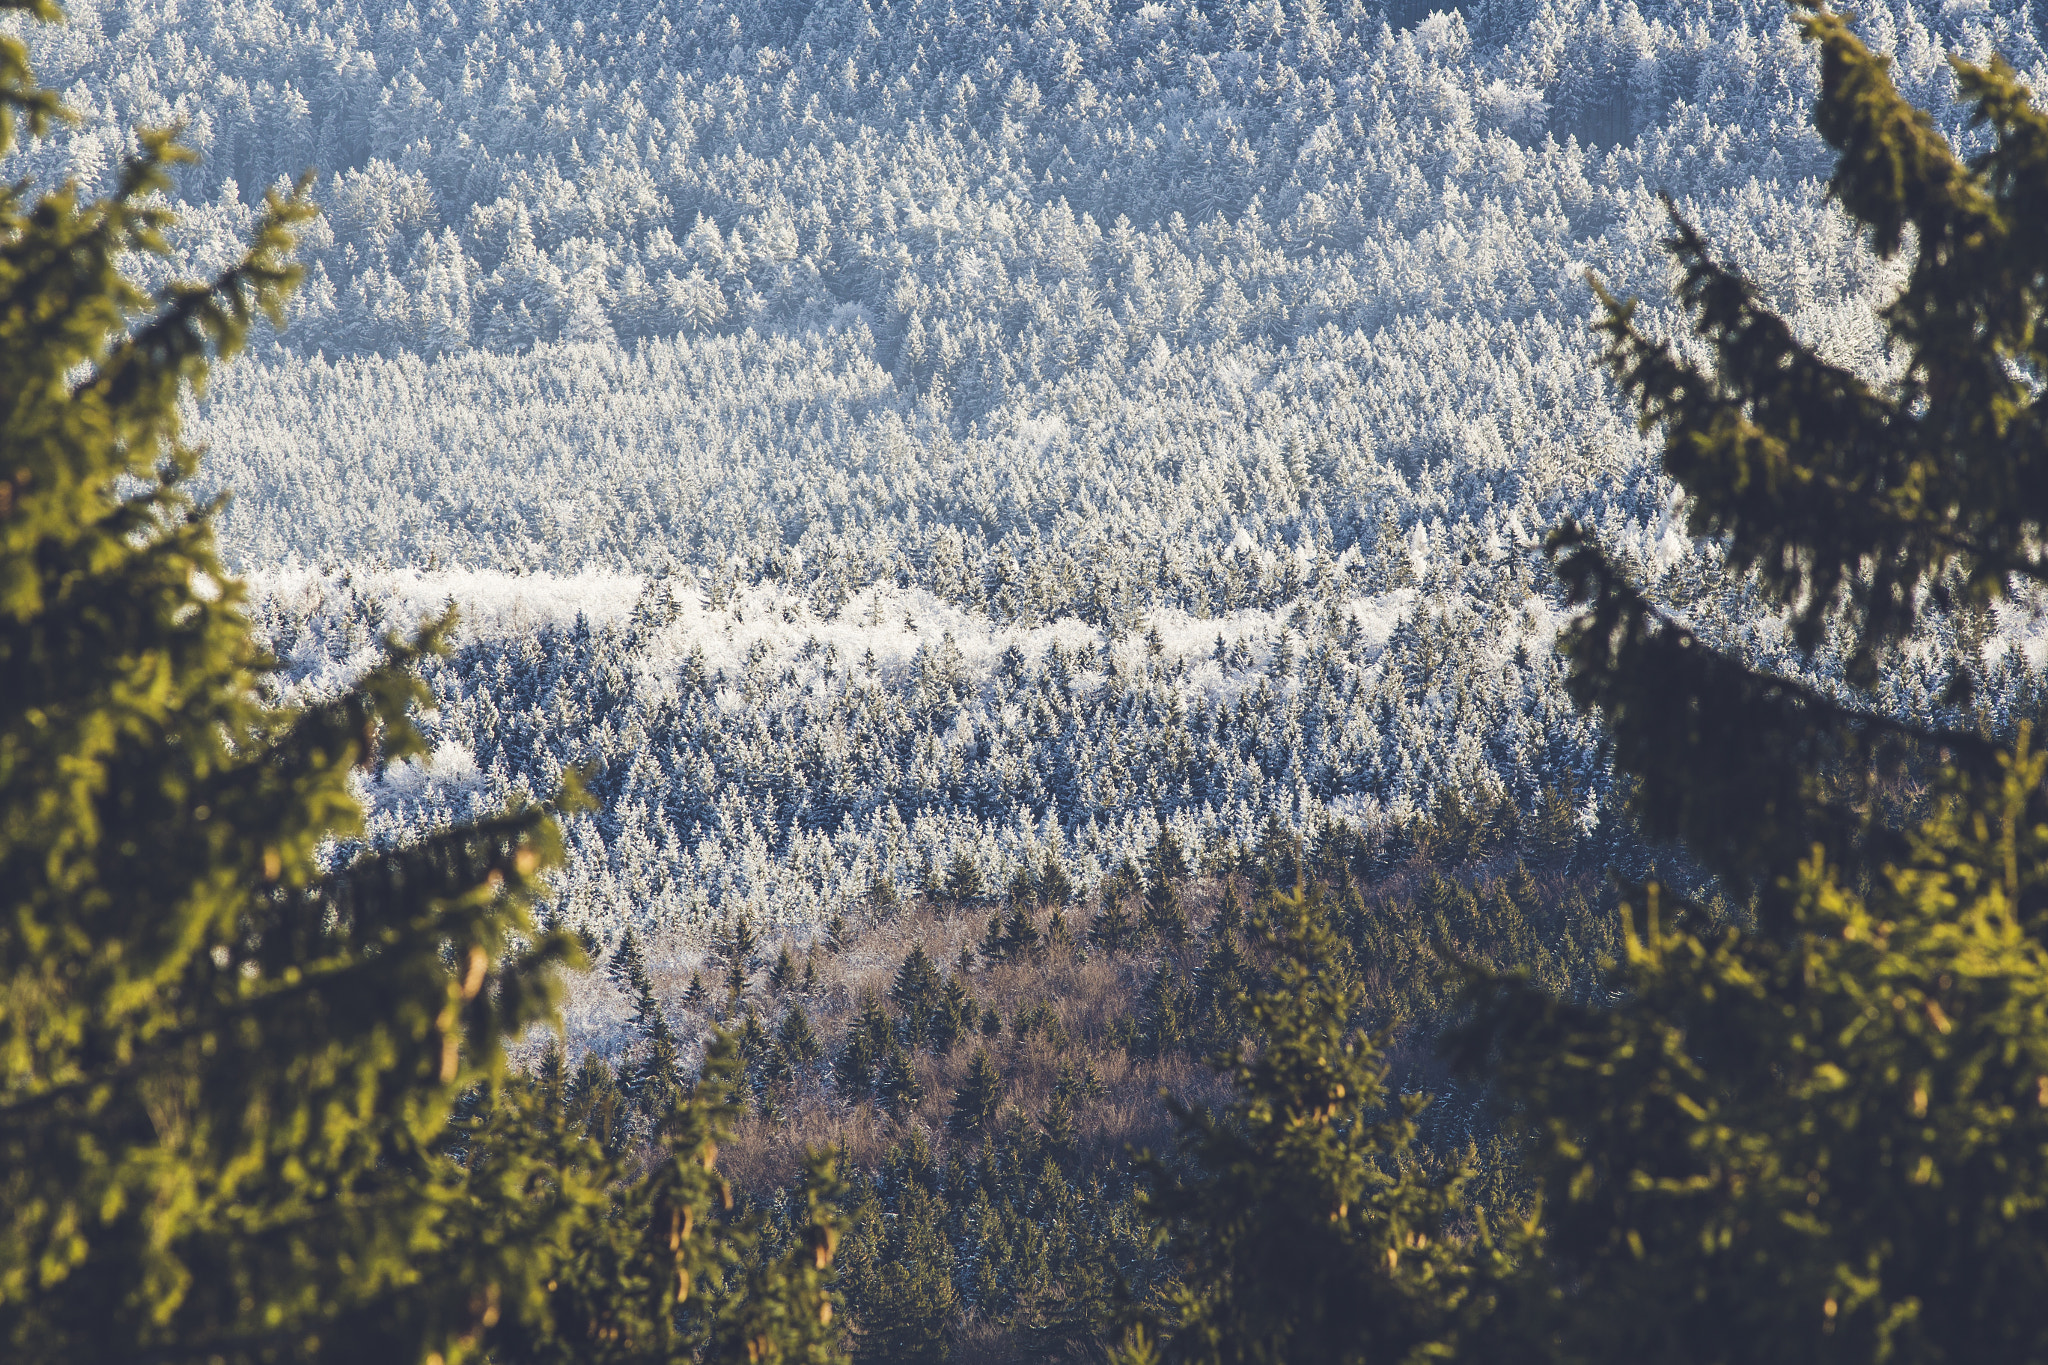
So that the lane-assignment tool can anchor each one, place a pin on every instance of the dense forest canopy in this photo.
(1040, 576)
(1219, 346)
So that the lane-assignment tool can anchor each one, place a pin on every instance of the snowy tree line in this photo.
(760, 335)
(755, 757)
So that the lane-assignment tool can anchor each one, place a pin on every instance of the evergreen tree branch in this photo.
(1750, 769)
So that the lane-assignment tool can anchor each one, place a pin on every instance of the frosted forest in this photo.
(891, 446)
(882, 682)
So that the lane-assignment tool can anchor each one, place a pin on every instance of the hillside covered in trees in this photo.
(871, 436)
(1070, 726)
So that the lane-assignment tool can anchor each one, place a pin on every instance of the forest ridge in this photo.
(988, 804)
(1236, 351)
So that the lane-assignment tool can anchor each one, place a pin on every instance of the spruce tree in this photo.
(900, 1282)
(220, 1045)
(741, 944)
(661, 1263)
(955, 1018)
(896, 1084)
(1114, 931)
(1165, 1011)
(1229, 911)
(977, 1099)
(1818, 1134)
(1300, 1219)
(854, 1071)
(626, 968)
(993, 947)
(1021, 937)
(1169, 861)
(1055, 886)
(254, 1103)
(918, 994)
(964, 882)
(797, 1039)
(1165, 917)
(755, 1051)
(1219, 996)
(655, 1083)
(1058, 1124)
(597, 1105)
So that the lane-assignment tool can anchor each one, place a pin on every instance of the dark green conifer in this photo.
(1301, 1223)
(1165, 1010)
(598, 1104)
(964, 882)
(797, 1040)
(897, 1087)
(1220, 986)
(868, 1041)
(978, 1098)
(1229, 910)
(782, 975)
(1055, 887)
(1114, 931)
(1124, 884)
(1168, 860)
(254, 1102)
(1442, 909)
(655, 1081)
(1799, 1137)
(1523, 891)
(883, 905)
(1279, 856)
(660, 1235)
(742, 945)
(955, 1018)
(854, 1072)
(1165, 916)
(1041, 1018)
(1058, 1125)
(1282, 665)
(1021, 937)
(1554, 831)
(900, 1282)
(626, 968)
(918, 994)
(216, 1045)
(752, 1047)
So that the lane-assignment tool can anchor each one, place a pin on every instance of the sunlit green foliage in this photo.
(1819, 1136)
(1306, 1222)
(661, 1263)
(253, 1099)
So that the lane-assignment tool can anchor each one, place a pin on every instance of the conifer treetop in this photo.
(1858, 506)
(218, 1043)
(1844, 495)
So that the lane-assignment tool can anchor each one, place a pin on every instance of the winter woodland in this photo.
(884, 442)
